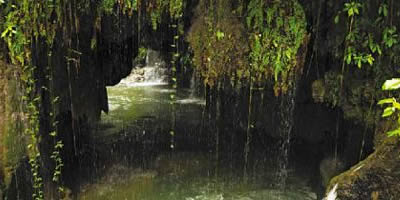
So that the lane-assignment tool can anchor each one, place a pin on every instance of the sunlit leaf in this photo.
(388, 111)
(391, 84)
(220, 35)
(386, 101)
(396, 105)
(370, 59)
(395, 132)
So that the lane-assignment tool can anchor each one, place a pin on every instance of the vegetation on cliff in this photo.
(262, 44)
(254, 42)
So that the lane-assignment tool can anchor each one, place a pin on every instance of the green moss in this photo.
(378, 174)
(12, 146)
(219, 44)
(266, 46)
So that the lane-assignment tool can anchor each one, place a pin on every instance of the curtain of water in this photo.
(248, 134)
(286, 112)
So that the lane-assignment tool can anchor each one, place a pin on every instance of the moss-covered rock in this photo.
(376, 177)
(12, 139)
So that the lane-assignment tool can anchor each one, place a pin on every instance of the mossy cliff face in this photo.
(13, 166)
(355, 88)
(2, 122)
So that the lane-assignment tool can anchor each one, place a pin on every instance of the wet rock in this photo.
(329, 168)
(318, 91)
(67, 194)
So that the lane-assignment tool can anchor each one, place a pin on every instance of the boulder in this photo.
(377, 177)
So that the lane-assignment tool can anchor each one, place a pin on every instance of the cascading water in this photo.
(287, 121)
(153, 73)
(193, 97)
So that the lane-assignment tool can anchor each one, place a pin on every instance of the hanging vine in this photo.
(278, 30)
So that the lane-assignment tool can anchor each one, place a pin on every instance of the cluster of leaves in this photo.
(278, 29)
(129, 6)
(392, 105)
(374, 42)
(219, 44)
(32, 102)
(157, 9)
(353, 53)
(26, 22)
(269, 47)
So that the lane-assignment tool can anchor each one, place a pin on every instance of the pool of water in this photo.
(138, 111)
(191, 176)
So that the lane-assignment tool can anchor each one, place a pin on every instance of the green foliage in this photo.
(278, 29)
(32, 130)
(392, 105)
(219, 44)
(25, 22)
(353, 53)
(352, 8)
(269, 47)
(107, 6)
(158, 8)
(390, 36)
(372, 41)
(364, 45)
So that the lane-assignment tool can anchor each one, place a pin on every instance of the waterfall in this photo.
(154, 72)
(287, 106)
(193, 88)
(193, 97)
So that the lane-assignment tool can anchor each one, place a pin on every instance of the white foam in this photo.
(332, 194)
(192, 101)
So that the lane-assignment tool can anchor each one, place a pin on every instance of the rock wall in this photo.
(354, 92)
(15, 178)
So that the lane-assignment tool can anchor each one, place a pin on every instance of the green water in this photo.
(176, 175)
(189, 176)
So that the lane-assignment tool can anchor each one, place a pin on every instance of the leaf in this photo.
(391, 84)
(359, 63)
(385, 101)
(220, 35)
(388, 111)
(392, 133)
(348, 58)
(336, 19)
(396, 105)
(350, 12)
(370, 59)
(379, 50)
